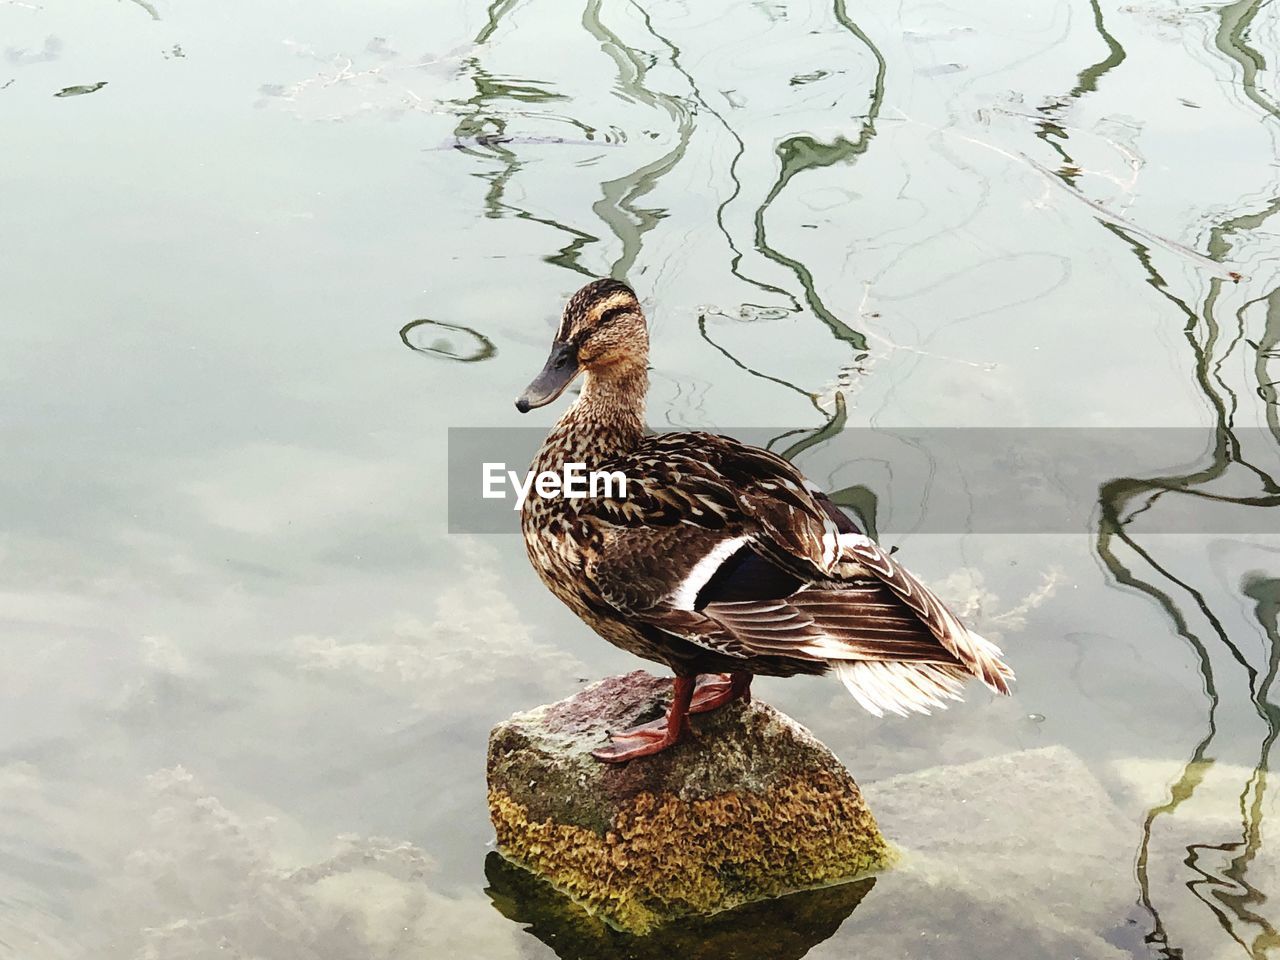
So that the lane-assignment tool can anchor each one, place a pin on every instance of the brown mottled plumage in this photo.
(721, 558)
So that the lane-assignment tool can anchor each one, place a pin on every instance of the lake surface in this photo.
(249, 675)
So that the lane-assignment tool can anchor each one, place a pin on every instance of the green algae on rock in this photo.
(784, 928)
(754, 808)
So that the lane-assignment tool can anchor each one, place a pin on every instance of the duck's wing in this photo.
(728, 546)
(712, 483)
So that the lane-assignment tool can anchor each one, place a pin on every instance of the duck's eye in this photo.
(613, 313)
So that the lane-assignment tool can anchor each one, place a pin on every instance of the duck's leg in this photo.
(711, 692)
(725, 688)
(651, 738)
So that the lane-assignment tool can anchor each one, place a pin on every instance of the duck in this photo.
(718, 559)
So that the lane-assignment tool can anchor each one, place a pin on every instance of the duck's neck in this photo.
(607, 420)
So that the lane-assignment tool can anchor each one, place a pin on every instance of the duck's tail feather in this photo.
(988, 664)
(860, 556)
(900, 687)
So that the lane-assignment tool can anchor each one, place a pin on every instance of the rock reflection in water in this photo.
(783, 929)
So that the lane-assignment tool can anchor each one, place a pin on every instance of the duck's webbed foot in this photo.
(634, 743)
(724, 688)
(657, 735)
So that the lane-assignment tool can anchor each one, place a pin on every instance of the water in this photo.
(249, 676)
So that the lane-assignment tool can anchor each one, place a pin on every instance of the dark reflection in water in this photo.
(802, 153)
(1224, 890)
(149, 7)
(1052, 132)
(782, 929)
(618, 208)
(1123, 501)
(1133, 563)
(481, 132)
(81, 89)
(1234, 21)
(449, 341)
(1243, 898)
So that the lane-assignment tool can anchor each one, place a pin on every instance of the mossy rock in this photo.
(785, 928)
(753, 808)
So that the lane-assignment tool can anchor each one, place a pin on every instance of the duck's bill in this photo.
(561, 368)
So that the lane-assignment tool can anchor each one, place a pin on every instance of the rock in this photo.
(1034, 829)
(896, 914)
(1021, 856)
(908, 915)
(753, 809)
(785, 928)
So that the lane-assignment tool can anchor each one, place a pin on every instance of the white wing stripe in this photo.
(686, 593)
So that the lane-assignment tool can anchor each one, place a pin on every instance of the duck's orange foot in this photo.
(726, 687)
(655, 736)
(642, 741)
(687, 697)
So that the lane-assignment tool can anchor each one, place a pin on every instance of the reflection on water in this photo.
(451, 341)
(1216, 873)
(224, 547)
(783, 929)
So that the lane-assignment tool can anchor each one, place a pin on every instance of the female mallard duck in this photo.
(721, 558)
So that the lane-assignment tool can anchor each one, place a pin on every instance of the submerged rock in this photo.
(1030, 842)
(754, 808)
(1035, 826)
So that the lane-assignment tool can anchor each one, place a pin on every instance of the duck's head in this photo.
(601, 332)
